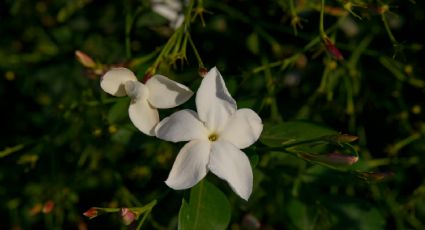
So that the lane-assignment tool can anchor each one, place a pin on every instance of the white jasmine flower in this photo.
(172, 10)
(158, 92)
(215, 134)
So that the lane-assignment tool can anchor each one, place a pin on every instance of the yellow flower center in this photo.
(213, 137)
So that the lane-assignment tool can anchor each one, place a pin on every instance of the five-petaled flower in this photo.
(215, 134)
(158, 92)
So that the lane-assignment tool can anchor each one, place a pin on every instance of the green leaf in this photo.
(300, 214)
(207, 208)
(275, 135)
(119, 111)
(352, 213)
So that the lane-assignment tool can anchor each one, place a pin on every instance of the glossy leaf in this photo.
(275, 135)
(207, 208)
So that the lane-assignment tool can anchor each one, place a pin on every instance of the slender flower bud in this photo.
(333, 158)
(332, 50)
(92, 212)
(342, 138)
(128, 216)
(85, 59)
(375, 176)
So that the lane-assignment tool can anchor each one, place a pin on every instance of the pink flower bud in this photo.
(333, 159)
(202, 71)
(332, 50)
(128, 216)
(85, 60)
(48, 207)
(249, 221)
(91, 213)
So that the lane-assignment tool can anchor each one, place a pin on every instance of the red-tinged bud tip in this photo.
(250, 221)
(91, 213)
(48, 207)
(128, 216)
(333, 159)
(332, 50)
(147, 76)
(85, 59)
(342, 138)
(202, 71)
(375, 176)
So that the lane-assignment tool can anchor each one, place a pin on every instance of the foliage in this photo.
(318, 76)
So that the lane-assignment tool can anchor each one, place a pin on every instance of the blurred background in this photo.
(67, 146)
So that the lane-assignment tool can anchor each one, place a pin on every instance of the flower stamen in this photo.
(213, 137)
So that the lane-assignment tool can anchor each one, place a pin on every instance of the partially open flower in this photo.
(158, 92)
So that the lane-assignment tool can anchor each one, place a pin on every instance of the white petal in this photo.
(190, 165)
(143, 116)
(165, 11)
(183, 125)
(213, 101)
(113, 81)
(178, 22)
(243, 128)
(166, 93)
(232, 165)
(136, 90)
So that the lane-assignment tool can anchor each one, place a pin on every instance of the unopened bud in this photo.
(48, 207)
(128, 216)
(92, 212)
(332, 50)
(36, 209)
(202, 71)
(375, 176)
(342, 138)
(333, 159)
(85, 59)
(249, 221)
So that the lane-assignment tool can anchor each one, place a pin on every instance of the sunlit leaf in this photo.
(207, 208)
(287, 132)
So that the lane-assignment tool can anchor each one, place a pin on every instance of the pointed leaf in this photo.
(207, 208)
(275, 135)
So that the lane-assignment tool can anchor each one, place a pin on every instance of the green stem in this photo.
(195, 51)
(294, 57)
(387, 28)
(321, 27)
(149, 208)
